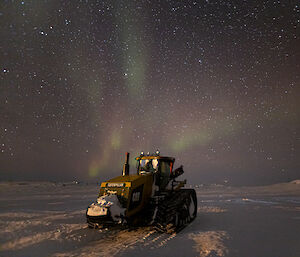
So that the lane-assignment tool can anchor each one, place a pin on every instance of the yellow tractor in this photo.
(152, 196)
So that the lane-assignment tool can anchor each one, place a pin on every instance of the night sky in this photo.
(215, 84)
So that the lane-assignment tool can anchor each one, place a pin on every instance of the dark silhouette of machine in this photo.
(152, 196)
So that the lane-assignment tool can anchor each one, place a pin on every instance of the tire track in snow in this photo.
(117, 242)
(58, 234)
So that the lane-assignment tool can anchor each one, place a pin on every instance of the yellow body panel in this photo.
(125, 186)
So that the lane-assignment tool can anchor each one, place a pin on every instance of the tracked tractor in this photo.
(152, 196)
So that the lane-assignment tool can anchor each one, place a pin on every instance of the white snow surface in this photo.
(96, 210)
(48, 219)
(297, 181)
(110, 201)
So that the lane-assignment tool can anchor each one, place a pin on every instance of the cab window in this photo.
(165, 168)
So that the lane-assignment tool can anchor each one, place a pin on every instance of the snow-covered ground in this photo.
(48, 219)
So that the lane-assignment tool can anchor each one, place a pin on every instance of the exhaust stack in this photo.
(125, 171)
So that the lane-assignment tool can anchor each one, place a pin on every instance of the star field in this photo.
(213, 83)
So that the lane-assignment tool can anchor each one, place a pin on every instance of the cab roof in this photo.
(150, 157)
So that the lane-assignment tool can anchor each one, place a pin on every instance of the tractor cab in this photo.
(161, 167)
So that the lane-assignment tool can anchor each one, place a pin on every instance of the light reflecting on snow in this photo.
(48, 219)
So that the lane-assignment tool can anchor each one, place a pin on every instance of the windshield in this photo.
(149, 165)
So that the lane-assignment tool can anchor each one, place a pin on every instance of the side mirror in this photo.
(176, 173)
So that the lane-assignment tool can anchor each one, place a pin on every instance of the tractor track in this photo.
(173, 213)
